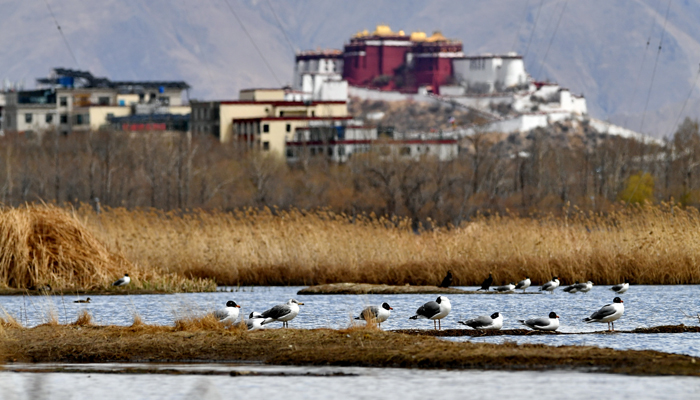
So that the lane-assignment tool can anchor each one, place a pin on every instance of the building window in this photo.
(289, 127)
(281, 113)
(341, 150)
(266, 146)
(142, 96)
(103, 101)
(290, 153)
(405, 151)
(79, 119)
(330, 151)
(63, 101)
(49, 118)
(64, 118)
(110, 116)
(28, 118)
(313, 113)
(165, 100)
(266, 128)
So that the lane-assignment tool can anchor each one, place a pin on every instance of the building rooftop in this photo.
(72, 78)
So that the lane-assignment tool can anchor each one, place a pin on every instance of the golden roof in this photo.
(418, 36)
(383, 30)
(436, 37)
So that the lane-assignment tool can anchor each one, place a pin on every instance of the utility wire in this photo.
(690, 92)
(653, 74)
(61, 32)
(253, 43)
(527, 49)
(279, 24)
(641, 67)
(552, 39)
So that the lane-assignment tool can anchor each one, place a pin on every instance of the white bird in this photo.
(621, 288)
(551, 285)
(282, 313)
(228, 314)
(505, 288)
(485, 322)
(122, 281)
(543, 324)
(254, 321)
(378, 314)
(589, 286)
(575, 288)
(524, 284)
(434, 310)
(608, 313)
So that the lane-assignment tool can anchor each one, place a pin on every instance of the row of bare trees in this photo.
(539, 172)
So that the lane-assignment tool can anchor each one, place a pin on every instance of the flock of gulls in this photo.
(433, 310)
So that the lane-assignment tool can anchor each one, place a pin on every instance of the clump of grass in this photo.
(646, 245)
(45, 244)
(207, 322)
(84, 319)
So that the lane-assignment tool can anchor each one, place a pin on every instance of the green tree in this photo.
(639, 188)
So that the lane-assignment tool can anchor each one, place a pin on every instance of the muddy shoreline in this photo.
(362, 347)
(367, 288)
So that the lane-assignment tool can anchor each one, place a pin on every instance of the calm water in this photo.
(644, 306)
(365, 383)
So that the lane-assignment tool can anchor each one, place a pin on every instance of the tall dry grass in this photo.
(647, 245)
(46, 244)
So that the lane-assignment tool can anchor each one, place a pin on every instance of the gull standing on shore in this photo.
(505, 288)
(254, 321)
(608, 313)
(621, 288)
(378, 314)
(228, 314)
(122, 281)
(434, 310)
(551, 285)
(524, 284)
(543, 324)
(282, 313)
(485, 322)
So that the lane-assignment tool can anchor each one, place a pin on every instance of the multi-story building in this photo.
(490, 73)
(318, 75)
(262, 118)
(71, 100)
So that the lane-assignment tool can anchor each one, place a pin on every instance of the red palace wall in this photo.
(361, 70)
(433, 71)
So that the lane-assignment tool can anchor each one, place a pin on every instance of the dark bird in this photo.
(486, 284)
(447, 281)
(44, 288)
(82, 301)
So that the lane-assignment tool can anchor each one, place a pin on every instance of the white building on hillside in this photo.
(318, 76)
(490, 73)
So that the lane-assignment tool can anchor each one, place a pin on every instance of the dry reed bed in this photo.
(359, 346)
(47, 245)
(647, 245)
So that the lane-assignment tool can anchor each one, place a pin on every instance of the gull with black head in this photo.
(485, 322)
(608, 313)
(434, 310)
(377, 314)
(122, 281)
(550, 323)
(229, 313)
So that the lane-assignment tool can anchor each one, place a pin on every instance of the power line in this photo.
(253, 43)
(653, 74)
(527, 49)
(552, 39)
(690, 92)
(61, 32)
(641, 67)
(279, 24)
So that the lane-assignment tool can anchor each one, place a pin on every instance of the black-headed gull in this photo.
(551, 285)
(524, 284)
(254, 321)
(282, 313)
(122, 281)
(608, 313)
(378, 314)
(621, 288)
(229, 313)
(543, 324)
(505, 288)
(434, 310)
(485, 322)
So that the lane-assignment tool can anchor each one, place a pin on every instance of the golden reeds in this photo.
(647, 245)
(47, 245)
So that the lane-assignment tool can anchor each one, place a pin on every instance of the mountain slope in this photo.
(597, 50)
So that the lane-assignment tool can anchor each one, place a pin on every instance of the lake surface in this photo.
(645, 306)
(355, 383)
